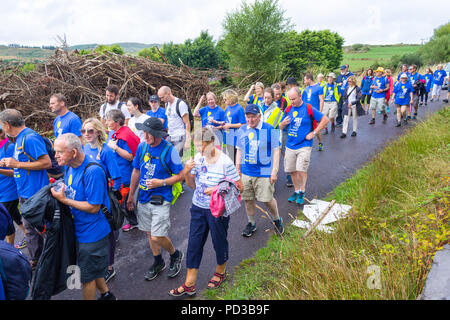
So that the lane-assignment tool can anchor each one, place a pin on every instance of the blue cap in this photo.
(252, 108)
(343, 67)
(154, 98)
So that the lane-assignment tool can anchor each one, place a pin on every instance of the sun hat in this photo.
(380, 69)
(153, 126)
(332, 74)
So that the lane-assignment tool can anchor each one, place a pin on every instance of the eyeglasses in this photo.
(90, 131)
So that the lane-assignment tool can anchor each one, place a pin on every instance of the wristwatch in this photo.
(314, 133)
(164, 182)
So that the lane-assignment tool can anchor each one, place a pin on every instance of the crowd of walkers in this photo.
(140, 157)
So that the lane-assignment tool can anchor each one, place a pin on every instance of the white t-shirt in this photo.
(209, 175)
(132, 125)
(175, 124)
(109, 107)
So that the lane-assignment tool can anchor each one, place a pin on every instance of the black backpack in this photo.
(116, 214)
(191, 116)
(119, 107)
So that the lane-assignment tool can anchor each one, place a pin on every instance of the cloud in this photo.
(108, 21)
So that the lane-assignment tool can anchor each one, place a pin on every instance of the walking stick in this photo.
(319, 220)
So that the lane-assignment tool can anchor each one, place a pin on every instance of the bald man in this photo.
(177, 120)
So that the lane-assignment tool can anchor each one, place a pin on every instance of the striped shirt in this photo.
(209, 175)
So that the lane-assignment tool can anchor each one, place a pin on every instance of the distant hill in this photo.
(129, 47)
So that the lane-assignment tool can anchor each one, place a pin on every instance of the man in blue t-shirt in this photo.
(379, 87)
(154, 174)
(156, 110)
(257, 162)
(313, 94)
(29, 163)
(342, 82)
(85, 192)
(66, 121)
(438, 80)
(402, 95)
(300, 135)
(414, 77)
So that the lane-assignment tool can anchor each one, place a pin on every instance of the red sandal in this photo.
(216, 284)
(187, 290)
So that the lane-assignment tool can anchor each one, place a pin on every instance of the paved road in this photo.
(339, 161)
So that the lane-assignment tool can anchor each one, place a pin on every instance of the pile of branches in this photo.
(83, 79)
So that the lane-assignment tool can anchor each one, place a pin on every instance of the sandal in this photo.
(215, 283)
(187, 290)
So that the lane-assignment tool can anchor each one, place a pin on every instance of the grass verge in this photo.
(384, 249)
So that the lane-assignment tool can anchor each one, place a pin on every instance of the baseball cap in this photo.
(252, 108)
(154, 98)
(343, 67)
(291, 80)
(332, 74)
(404, 75)
(153, 126)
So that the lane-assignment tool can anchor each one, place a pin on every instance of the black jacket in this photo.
(59, 250)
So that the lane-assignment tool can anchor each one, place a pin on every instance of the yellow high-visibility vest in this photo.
(275, 117)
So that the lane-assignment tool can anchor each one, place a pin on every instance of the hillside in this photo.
(129, 47)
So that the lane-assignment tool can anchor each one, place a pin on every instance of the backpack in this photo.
(116, 214)
(177, 188)
(119, 107)
(310, 114)
(55, 171)
(15, 272)
(191, 116)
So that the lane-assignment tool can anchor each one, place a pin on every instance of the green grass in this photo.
(399, 218)
(363, 60)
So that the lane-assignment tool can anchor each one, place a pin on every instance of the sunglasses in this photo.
(90, 131)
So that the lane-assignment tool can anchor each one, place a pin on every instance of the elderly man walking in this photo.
(300, 135)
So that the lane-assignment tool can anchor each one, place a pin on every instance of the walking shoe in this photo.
(326, 131)
(388, 109)
(405, 121)
(107, 296)
(415, 116)
(333, 127)
(293, 198)
(427, 103)
(372, 121)
(279, 228)
(190, 291)
(128, 227)
(354, 134)
(385, 117)
(339, 125)
(175, 265)
(379, 112)
(249, 229)
(109, 274)
(445, 100)
(154, 270)
(408, 117)
(320, 147)
(343, 136)
(289, 183)
(300, 198)
(398, 124)
(22, 244)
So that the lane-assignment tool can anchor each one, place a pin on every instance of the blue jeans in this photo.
(203, 222)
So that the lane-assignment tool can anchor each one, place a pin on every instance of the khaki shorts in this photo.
(297, 160)
(257, 188)
(330, 109)
(153, 218)
(378, 104)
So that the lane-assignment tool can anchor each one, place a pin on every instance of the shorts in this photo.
(257, 188)
(415, 101)
(436, 90)
(13, 209)
(297, 160)
(92, 259)
(330, 109)
(154, 218)
(178, 143)
(378, 104)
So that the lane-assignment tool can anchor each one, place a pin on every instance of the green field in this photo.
(363, 60)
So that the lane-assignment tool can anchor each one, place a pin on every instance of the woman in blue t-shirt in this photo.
(256, 98)
(95, 148)
(211, 115)
(428, 77)
(365, 89)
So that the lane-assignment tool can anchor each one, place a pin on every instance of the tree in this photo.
(254, 38)
(312, 49)
(151, 53)
(438, 48)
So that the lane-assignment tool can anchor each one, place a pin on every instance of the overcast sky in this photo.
(37, 22)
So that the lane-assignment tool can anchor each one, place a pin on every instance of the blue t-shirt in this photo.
(207, 114)
(233, 114)
(68, 123)
(125, 166)
(342, 81)
(257, 149)
(107, 160)
(254, 99)
(311, 95)
(381, 83)
(160, 114)
(330, 93)
(300, 126)
(7, 184)
(365, 85)
(148, 162)
(402, 91)
(439, 76)
(428, 77)
(88, 227)
(29, 182)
